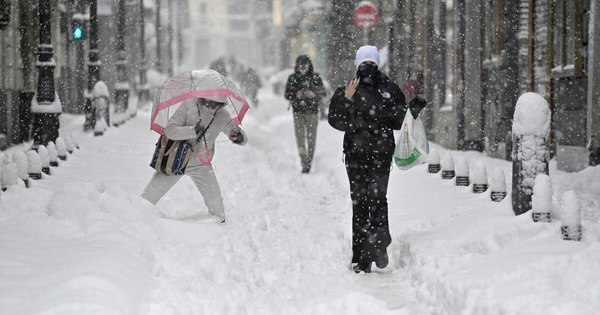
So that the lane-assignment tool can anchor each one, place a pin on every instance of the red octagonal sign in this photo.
(365, 15)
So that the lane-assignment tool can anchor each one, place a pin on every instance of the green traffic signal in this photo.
(78, 33)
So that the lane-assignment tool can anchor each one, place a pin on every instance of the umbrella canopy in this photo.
(208, 84)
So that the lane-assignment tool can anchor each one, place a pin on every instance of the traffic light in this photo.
(78, 30)
(78, 33)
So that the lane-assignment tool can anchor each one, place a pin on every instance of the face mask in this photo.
(212, 105)
(367, 70)
(303, 70)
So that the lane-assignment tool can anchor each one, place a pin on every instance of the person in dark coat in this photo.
(305, 90)
(251, 85)
(367, 110)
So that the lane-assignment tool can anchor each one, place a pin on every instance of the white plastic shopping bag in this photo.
(412, 146)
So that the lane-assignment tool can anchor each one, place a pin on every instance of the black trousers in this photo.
(369, 176)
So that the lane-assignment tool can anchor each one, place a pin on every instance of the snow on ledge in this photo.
(53, 108)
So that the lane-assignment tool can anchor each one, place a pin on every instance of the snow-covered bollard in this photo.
(20, 159)
(100, 127)
(69, 145)
(531, 124)
(43, 152)
(34, 165)
(480, 184)
(571, 217)
(9, 176)
(101, 103)
(462, 172)
(117, 119)
(448, 166)
(498, 185)
(61, 149)
(74, 141)
(52, 154)
(541, 201)
(433, 161)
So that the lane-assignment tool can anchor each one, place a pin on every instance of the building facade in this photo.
(19, 42)
(479, 57)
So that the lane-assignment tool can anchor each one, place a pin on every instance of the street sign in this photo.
(365, 15)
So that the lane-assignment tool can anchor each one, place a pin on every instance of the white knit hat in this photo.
(367, 53)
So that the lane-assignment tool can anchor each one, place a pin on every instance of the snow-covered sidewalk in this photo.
(82, 241)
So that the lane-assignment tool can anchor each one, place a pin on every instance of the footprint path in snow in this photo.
(285, 248)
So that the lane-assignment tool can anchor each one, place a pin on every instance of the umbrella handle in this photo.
(208, 160)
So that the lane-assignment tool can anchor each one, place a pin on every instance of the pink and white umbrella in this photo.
(208, 84)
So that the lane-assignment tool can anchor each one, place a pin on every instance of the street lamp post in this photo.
(45, 106)
(93, 65)
(122, 86)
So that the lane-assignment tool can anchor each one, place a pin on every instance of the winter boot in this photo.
(362, 267)
(382, 261)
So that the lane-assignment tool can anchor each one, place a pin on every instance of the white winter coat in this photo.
(181, 127)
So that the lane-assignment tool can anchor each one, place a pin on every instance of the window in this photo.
(570, 37)
(238, 16)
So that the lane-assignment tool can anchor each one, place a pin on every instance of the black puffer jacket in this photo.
(310, 81)
(369, 120)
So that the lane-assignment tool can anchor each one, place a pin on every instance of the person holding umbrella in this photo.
(208, 104)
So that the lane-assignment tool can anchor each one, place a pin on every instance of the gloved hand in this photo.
(237, 136)
(199, 128)
(416, 105)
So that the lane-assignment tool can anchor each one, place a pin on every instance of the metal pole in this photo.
(392, 51)
(158, 43)
(510, 69)
(93, 66)
(47, 108)
(143, 95)
(180, 18)
(170, 31)
(122, 87)
(460, 59)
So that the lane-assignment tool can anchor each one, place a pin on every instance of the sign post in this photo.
(365, 17)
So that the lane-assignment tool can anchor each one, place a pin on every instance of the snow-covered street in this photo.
(82, 241)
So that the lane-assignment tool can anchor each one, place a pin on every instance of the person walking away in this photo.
(305, 90)
(367, 110)
(204, 118)
(252, 84)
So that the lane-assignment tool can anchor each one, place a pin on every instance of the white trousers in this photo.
(203, 177)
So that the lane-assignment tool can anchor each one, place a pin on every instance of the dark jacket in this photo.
(369, 120)
(310, 81)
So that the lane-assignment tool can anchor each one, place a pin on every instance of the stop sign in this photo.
(365, 15)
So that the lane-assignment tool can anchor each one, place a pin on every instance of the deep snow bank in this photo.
(84, 249)
(476, 257)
